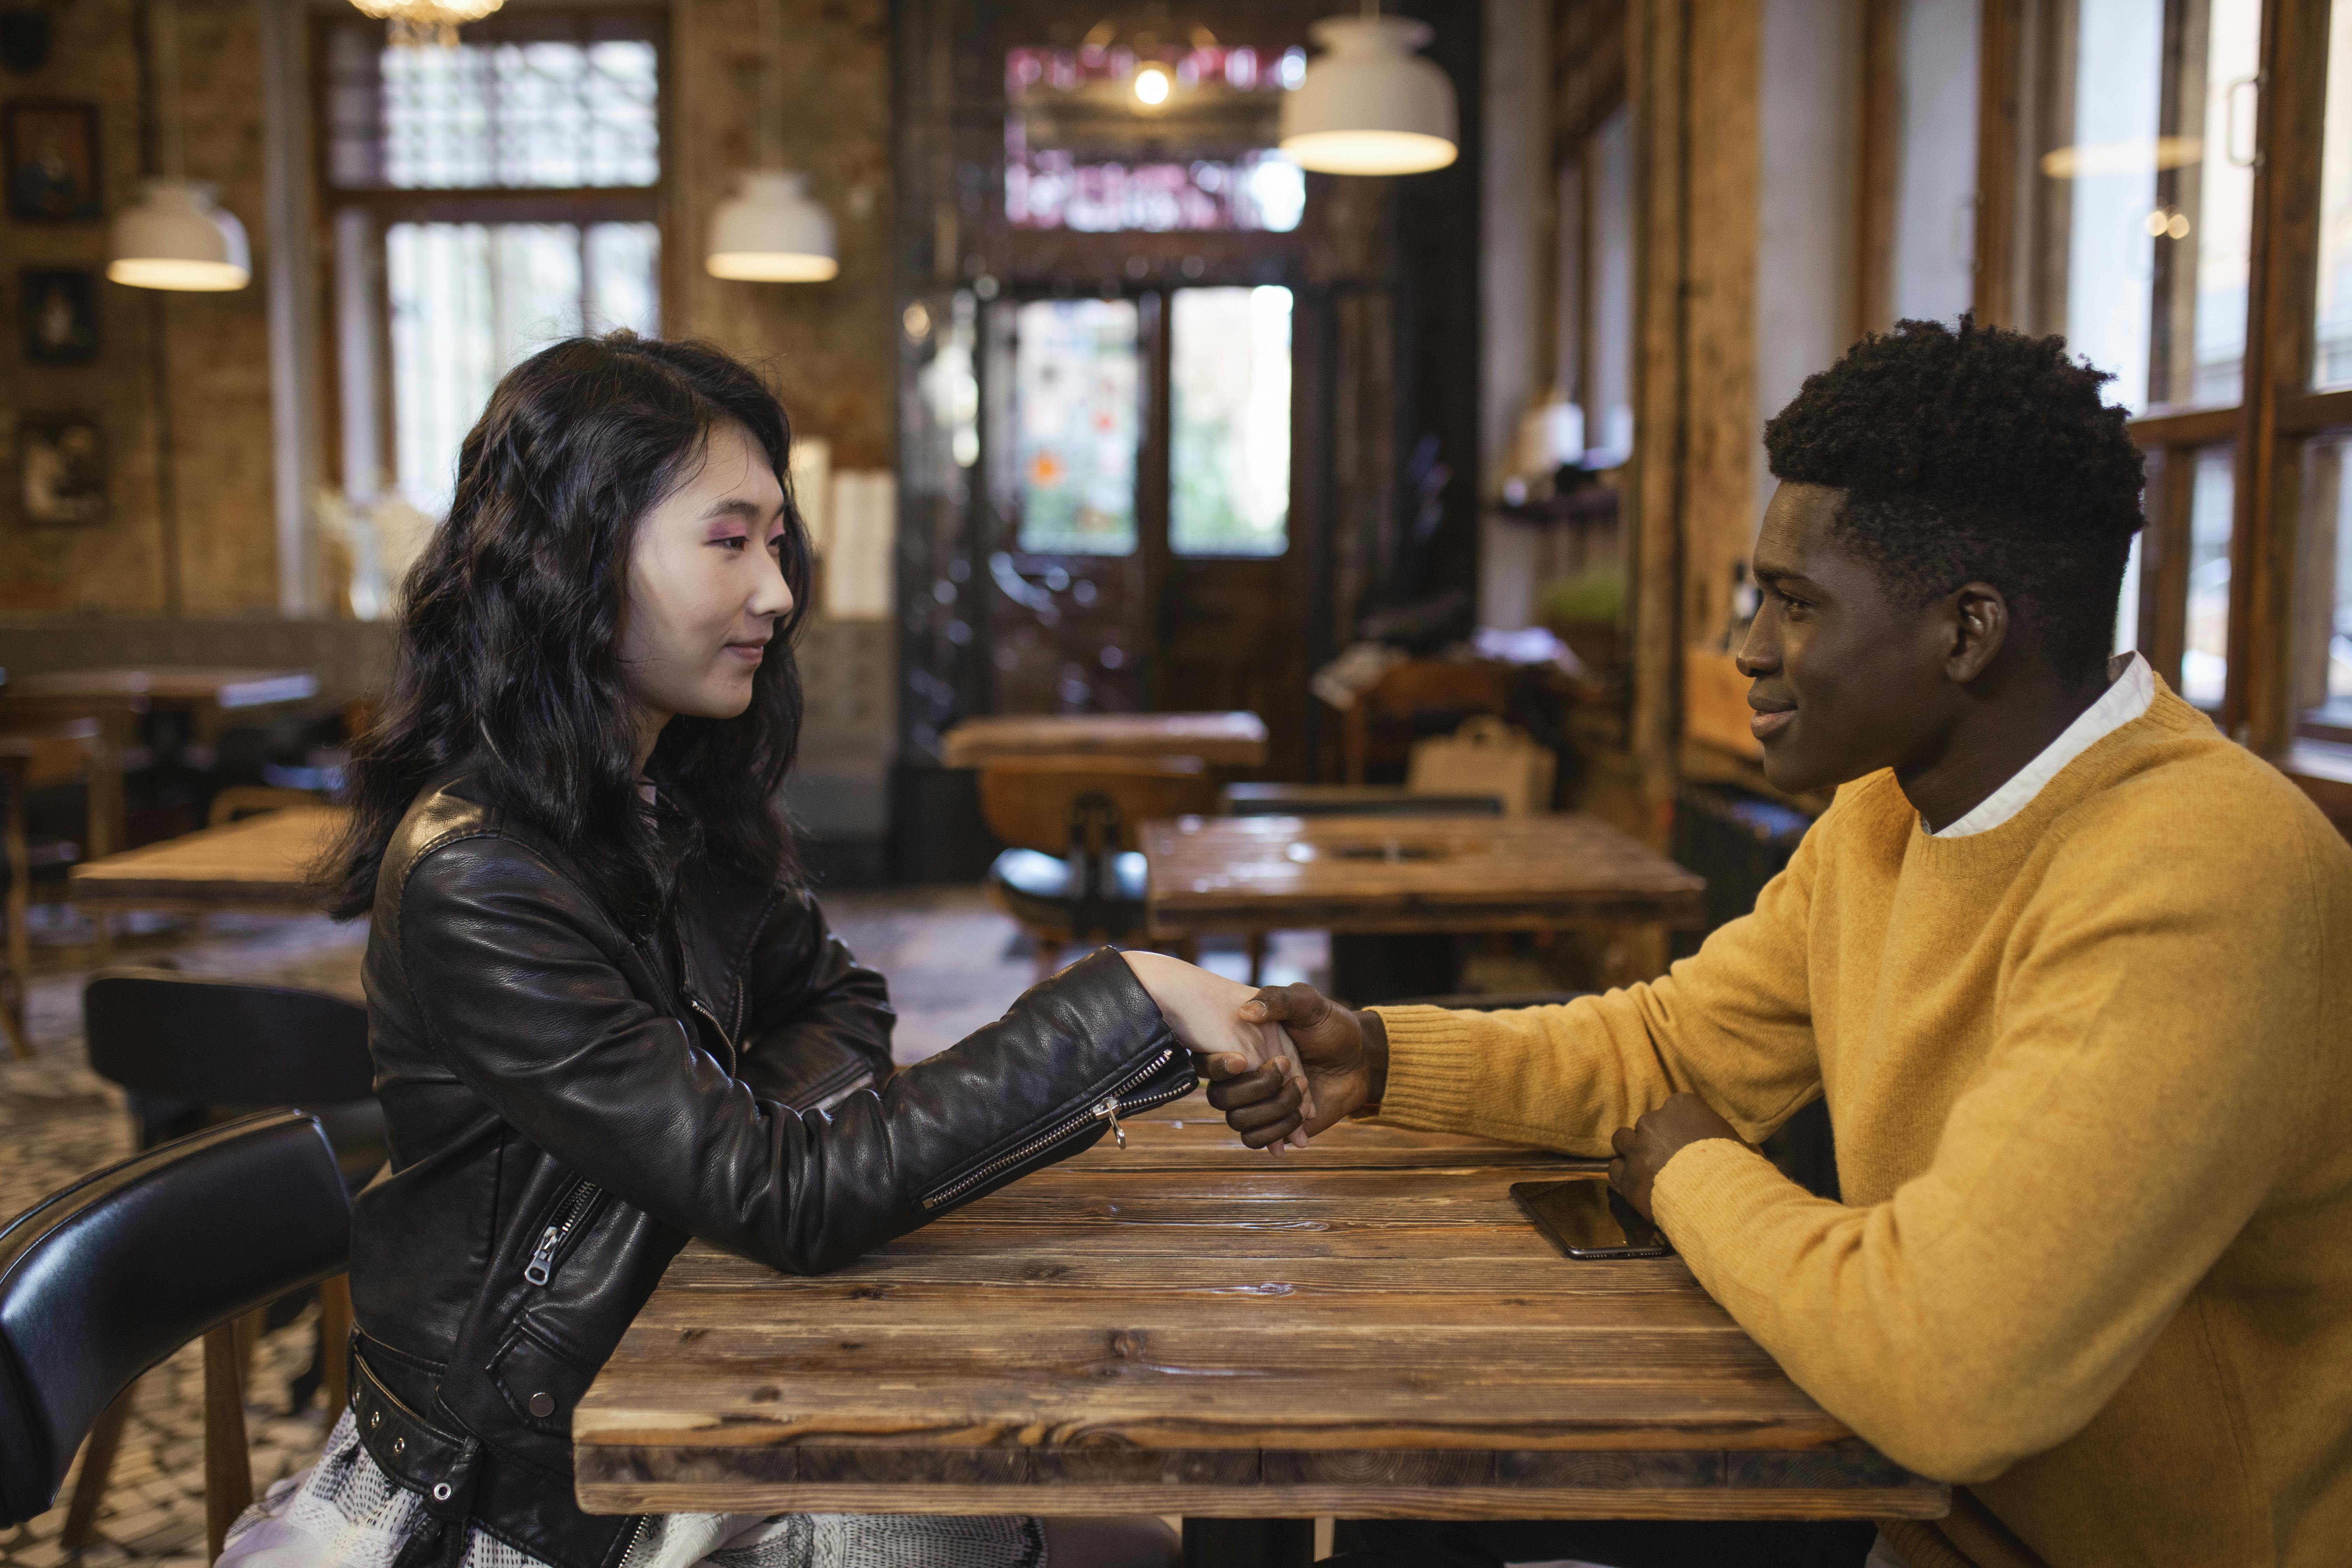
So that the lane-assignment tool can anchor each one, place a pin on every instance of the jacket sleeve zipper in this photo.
(703, 1008)
(1107, 1108)
(551, 1240)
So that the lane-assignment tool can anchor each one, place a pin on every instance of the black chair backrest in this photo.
(225, 1042)
(100, 1281)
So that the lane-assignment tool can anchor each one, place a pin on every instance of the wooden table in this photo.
(1220, 739)
(259, 863)
(115, 698)
(1364, 1329)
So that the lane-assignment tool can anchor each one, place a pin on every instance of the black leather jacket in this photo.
(567, 1106)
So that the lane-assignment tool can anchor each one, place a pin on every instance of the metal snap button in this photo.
(375, 1419)
(400, 1445)
(543, 1405)
(441, 1492)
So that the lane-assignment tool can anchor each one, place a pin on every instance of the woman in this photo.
(605, 1016)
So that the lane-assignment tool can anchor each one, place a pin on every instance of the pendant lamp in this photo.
(412, 23)
(772, 230)
(1370, 105)
(174, 235)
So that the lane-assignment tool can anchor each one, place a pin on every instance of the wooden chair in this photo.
(190, 1050)
(1417, 698)
(102, 1280)
(1073, 872)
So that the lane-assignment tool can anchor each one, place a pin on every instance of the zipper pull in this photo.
(536, 1270)
(1109, 1110)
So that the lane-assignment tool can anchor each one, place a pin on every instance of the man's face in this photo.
(1844, 682)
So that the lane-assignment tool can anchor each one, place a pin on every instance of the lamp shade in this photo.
(175, 236)
(771, 231)
(1369, 105)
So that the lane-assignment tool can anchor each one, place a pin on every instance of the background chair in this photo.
(1073, 872)
(192, 1052)
(104, 1280)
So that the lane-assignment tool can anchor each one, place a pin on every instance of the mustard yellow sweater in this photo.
(2090, 1078)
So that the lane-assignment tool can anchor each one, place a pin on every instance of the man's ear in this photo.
(1980, 623)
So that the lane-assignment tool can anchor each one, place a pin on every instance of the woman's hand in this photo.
(1345, 1055)
(1643, 1149)
(1206, 1010)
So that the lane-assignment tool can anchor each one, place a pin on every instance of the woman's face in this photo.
(706, 587)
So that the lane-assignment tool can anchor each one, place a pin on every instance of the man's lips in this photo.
(1766, 723)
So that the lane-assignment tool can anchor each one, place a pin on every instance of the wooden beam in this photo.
(1998, 122)
(2258, 703)
(1879, 154)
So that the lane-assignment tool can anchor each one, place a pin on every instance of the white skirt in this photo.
(345, 1512)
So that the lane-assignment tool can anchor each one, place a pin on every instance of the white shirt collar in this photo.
(2126, 697)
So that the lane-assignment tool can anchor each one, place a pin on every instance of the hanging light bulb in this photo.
(1370, 105)
(770, 231)
(175, 235)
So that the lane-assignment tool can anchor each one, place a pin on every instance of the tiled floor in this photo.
(954, 963)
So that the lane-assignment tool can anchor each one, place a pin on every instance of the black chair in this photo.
(104, 1280)
(192, 1051)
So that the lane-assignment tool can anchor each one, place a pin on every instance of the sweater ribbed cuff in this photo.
(1710, 1199)
(1433, 1066)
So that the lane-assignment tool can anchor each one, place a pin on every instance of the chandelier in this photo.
(411, 23)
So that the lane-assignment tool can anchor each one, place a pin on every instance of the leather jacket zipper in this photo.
(551, 1240)
(635, 1536)
(702, 1007)
(1106, 1109)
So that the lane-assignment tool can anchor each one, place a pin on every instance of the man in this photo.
(2072, 971)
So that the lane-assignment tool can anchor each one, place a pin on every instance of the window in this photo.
(1075, 399)
(1228, 402)
(488, 199)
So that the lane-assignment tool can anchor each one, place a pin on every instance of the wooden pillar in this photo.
(2000, 121)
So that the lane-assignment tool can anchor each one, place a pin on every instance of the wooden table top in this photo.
(220, 686)
(258, 863)
(1221, 739)
(1414, 874)
(1365, 1327)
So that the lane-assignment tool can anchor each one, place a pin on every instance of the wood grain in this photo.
(1221, 739)
(1187, 1327)
(261, 862)
(1439, 873)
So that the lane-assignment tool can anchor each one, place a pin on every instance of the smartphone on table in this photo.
(1585, 1219)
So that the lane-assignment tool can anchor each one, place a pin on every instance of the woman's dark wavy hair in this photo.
(508, 648)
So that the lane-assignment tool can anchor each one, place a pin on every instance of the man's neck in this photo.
(1993, 742)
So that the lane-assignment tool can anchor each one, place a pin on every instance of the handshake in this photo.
(1282, 1063)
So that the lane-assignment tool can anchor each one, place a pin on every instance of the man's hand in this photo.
(1643, 1149)
(1345, 1055)
(1206, 1010)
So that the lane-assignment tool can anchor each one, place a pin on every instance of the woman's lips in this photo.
(751, 652)
(1764, 726)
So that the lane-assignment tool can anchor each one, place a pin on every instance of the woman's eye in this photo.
(734, 541)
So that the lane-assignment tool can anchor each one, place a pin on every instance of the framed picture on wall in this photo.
(51, 148)
(58, 309)
(62, 458)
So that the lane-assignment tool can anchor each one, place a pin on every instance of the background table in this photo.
(1221, 739)
(1365, 1329)
(260, 863)
(1354, 876)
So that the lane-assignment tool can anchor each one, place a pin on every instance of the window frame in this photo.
(2278, 415)
(379, 208)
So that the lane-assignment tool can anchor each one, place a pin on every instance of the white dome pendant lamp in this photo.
(772, 230)
(1370, 105)
(174, 235)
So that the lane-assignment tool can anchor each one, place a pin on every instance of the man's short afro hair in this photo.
(1975, 455)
